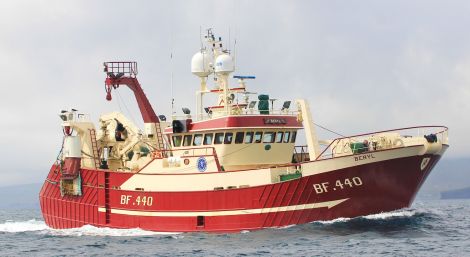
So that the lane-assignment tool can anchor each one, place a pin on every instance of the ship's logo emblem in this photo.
(201, 164)
(425, 162)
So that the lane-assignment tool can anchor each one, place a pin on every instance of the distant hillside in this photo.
(20, 196)
(449, 174)
(463, 193)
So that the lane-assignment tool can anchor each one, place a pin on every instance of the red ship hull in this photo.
(382, 186)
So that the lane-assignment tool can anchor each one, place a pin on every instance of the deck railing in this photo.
(188, 152)
(382, 140)
(240, 112)
(196, 151)
(126, 68)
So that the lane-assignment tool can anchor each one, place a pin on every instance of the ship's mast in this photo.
(215, 61)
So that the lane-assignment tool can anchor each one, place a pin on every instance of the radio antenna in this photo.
(171, 62)
(200, 36)
(235, 53)
(171, 70)
(171, 85)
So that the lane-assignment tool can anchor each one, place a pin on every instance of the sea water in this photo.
(429, 228)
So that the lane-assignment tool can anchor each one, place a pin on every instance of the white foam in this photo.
(332, 221)
(287, 226)
(387, 215)
(23, 226)
(378, 216)
(87, 230)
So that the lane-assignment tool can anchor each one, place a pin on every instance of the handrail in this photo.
(391, 130)
(127, 68)
(188, 148)
(332, 146)
(193, 149)
(204, 117)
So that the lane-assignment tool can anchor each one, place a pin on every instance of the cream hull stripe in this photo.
(328, 204)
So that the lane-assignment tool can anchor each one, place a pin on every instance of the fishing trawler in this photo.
(233, 165)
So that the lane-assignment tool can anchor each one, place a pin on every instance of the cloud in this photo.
(364, 66)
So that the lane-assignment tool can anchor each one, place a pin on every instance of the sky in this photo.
(364, 66)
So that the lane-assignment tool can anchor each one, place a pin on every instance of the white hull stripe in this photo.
(328, 204)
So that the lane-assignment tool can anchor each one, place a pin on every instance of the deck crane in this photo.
(125, 73)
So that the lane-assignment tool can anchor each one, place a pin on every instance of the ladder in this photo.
(106, 198)
(160, 139)
(94, 146)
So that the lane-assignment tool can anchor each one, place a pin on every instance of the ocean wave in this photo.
(39, 226)
(87, 230)
(393, 214)
(23, 226)
(411, 220)
(287, 226)
(378, 216)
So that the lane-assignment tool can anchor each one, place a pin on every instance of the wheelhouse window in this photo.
(187, 140)
(258, 136)
(279, 136)
(228, 138)
(268, 137)
(286, 137)
(249, 137)
(294, 135)
(239, 137)
(208, 139)
(219, 138)
(197, 139)
(177, 141)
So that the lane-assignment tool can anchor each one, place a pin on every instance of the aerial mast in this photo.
(217, 61)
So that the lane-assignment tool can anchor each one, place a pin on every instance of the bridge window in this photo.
(258, 136)
(187, 140)
(197, 139)
(294, 135)
(228, 138)
(279, 137)
(176, 141)
(286, 137)
(219, 138)
(239, 137)
(208, 139)
(249, 137)
(268, 137)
